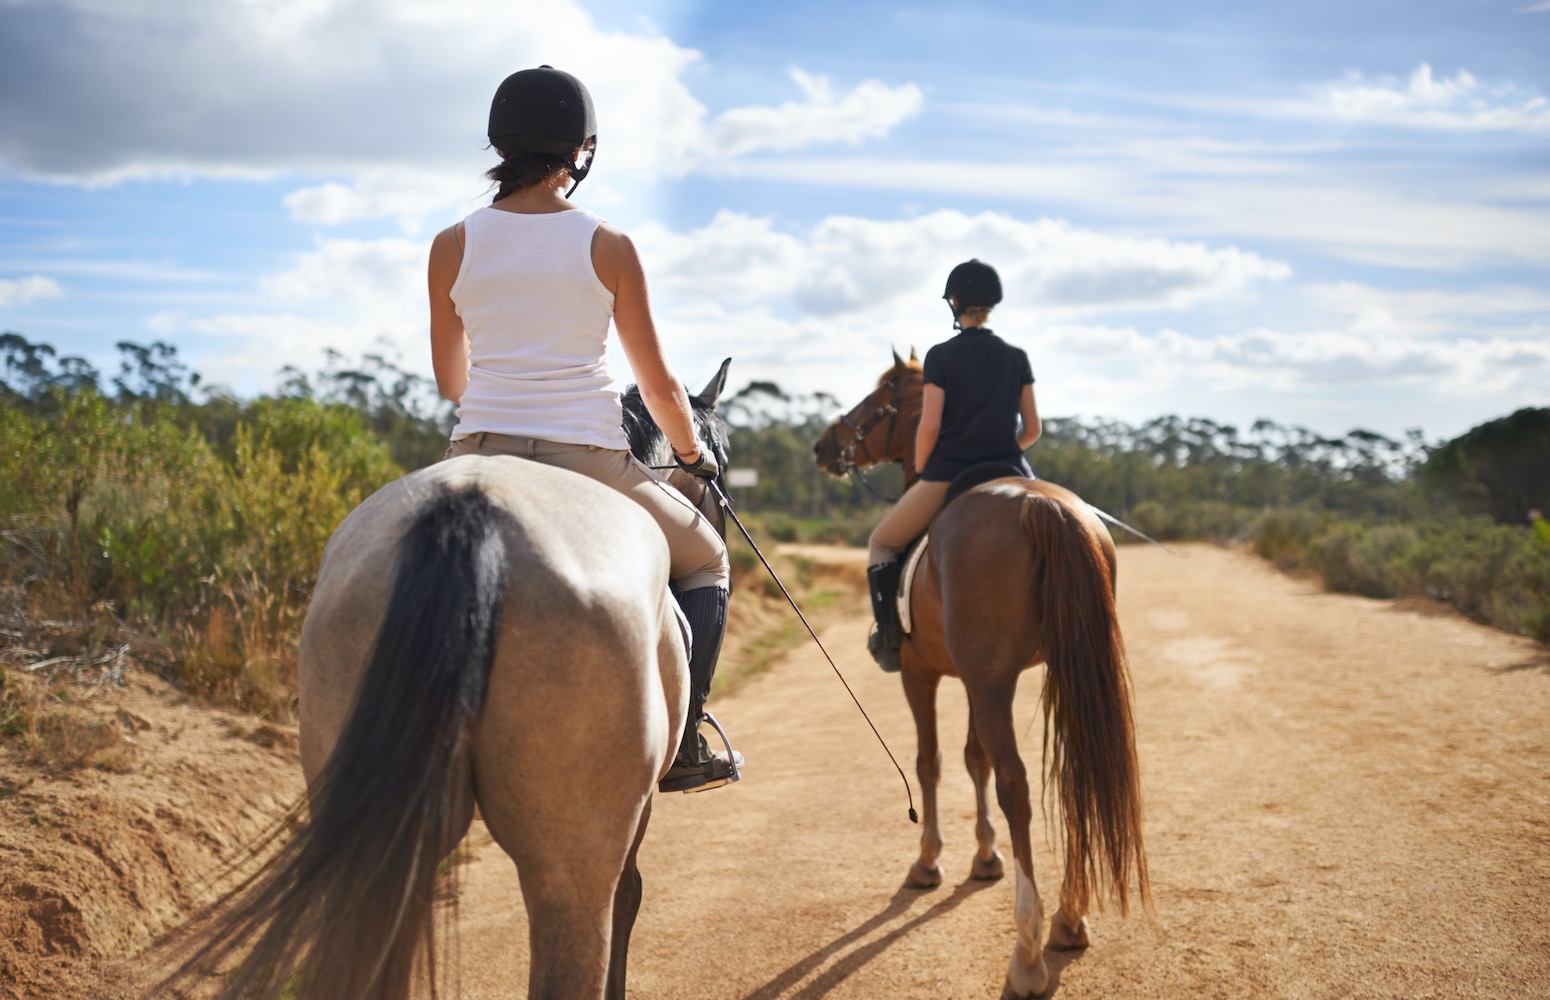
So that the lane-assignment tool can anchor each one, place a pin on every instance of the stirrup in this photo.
(712, 772)
(733, 757)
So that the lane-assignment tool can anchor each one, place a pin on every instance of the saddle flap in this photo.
(907, 580)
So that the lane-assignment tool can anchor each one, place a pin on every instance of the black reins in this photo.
(846, 459)
(726, 505)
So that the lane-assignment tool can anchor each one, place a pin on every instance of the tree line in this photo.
(159, 500)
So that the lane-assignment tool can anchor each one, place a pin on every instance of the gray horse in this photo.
(487, 630)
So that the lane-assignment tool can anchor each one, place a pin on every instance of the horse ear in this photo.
(898, 362)
(913, 355)
(714, 387)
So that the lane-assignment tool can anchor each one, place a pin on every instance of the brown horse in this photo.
(1016, 572)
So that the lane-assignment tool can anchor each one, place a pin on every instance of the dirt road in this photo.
(1345, 798)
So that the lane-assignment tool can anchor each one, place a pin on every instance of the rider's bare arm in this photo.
(930, 424)
(1031, 428)
(619, 269)
(449, 343)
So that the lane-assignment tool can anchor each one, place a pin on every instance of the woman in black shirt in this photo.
(977, 407)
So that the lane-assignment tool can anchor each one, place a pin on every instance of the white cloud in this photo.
(869, 111)
(1503, 311)
(182, 86)
(1314, 362)
(376, 276)
(405, 194)
(23, 291)
(1461, 103)
(847, 266)
(352, 296)
(387, 100)
(1342, 210)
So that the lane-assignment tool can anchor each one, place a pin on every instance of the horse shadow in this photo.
(856, 960)
(1539, 660)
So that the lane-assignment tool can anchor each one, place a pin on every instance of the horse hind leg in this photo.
(1068, 931)
(627, 900)
(1068, 926)
(1027, 974)
(988, 864)
(920, 690)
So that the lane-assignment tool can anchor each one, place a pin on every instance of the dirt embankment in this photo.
(97, 861)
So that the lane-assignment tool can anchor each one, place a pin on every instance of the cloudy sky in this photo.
(1327, 213)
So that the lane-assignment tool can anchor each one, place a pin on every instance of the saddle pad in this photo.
(907, 581)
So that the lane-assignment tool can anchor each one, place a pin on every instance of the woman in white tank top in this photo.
(521, 296)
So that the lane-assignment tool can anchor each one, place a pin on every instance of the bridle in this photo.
(845, 458)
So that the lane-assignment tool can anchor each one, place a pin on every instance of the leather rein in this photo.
(846, 459)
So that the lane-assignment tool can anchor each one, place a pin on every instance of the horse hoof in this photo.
(921, 877)
(988, 869)
(1064, 938)
(1024, 984)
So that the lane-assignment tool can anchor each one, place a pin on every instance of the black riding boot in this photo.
(697, 767)
(883, 582)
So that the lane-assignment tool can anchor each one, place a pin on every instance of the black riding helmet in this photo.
(974, 284)
(545, 110)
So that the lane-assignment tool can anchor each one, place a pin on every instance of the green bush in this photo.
(124, 504)
(1284, 536)
(1496, 574)
(1367, 561)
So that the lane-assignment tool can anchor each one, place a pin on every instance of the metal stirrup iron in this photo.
(737, 772)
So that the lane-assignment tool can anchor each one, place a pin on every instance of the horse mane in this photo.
(649, 444)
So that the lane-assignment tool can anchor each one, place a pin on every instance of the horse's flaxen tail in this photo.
(1089, 735)
(344, 909)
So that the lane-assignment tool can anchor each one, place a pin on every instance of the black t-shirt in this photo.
(981, 377)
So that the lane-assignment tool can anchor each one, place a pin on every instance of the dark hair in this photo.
(520, 170)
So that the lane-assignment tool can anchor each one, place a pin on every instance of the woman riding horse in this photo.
(1016, 572)
(496, 630)
(521, 295)
(977, 408)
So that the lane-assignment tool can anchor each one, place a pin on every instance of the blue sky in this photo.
(1328, 214)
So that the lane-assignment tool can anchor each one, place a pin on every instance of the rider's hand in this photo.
(704, 466)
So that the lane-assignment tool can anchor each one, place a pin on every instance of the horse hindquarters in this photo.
(566, 760)
(347, 903)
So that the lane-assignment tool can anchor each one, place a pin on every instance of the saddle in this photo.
(976, 475)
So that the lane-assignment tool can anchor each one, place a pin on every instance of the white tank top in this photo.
(537, 320)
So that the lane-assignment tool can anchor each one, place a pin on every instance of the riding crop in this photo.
(726, 505)
(1114, 520)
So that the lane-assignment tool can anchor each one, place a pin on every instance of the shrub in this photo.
(125, 507)
(1283, 536)
(1367, 561)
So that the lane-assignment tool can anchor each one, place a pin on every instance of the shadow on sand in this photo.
(1538, 661)
(857, 959)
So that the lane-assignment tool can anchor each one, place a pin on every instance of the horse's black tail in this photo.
(344, 909)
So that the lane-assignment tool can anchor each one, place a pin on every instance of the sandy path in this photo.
(1344, 798)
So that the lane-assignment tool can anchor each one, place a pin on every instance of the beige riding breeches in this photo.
(697, 554)
(909, 518)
